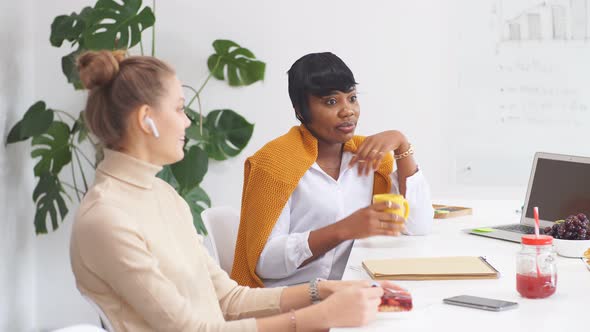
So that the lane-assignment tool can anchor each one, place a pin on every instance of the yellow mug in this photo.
(404, 207)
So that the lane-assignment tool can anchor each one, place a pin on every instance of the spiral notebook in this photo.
(431, 268)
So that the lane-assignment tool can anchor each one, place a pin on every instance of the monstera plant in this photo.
(60, 140)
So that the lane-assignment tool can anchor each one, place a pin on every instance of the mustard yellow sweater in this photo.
(270, 177)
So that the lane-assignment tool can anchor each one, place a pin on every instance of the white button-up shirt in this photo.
(319, 201)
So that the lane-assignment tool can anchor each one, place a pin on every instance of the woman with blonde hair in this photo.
(134, 250)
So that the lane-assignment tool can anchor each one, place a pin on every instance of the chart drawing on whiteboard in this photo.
(559, 20)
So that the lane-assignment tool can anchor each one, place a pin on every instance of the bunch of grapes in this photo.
(574, 227)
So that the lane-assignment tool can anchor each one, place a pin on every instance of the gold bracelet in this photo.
(409, 152)
(293, 321)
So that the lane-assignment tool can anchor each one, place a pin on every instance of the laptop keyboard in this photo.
(518, 228)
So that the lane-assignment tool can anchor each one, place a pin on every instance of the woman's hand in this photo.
(328, 287)
(370, 153)
(370, 221)
(391, 285)
(356, 305)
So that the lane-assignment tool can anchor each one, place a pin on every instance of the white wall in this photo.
(397, 50)
(393, 48)
(17, 286)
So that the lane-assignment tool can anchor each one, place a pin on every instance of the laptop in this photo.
(559, 185)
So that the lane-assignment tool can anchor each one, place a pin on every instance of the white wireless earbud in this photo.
(152, 125)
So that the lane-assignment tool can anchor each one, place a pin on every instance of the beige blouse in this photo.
(135, 252)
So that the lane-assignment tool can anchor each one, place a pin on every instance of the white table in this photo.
(567, 309)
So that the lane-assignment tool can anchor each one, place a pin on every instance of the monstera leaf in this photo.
(241, 65)
(68, 67)
(35, 122)
(198, 200)
(109, 25)
(71, 27)
(189, 172)
(228, 133)
(166, 175)
(117, 26)
(48, 195)
(53, 148)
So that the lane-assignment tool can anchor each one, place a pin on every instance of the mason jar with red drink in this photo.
(536, 272)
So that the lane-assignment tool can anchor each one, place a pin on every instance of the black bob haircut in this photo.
(317, 74)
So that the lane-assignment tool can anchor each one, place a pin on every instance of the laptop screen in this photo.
(560, 188)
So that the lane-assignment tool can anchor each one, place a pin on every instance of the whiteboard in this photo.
(521, 84)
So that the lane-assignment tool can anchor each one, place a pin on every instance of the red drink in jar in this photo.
(535, 287)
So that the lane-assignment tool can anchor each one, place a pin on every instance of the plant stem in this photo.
(210, 74)
(83, 155)
(72, 187)
(90, 139)
(189, 87)
(66, 114)
(81, 170)
(141, 46)
(200, 115)
(193, 98)
(198, 94)
(74, 179)
(154, 30)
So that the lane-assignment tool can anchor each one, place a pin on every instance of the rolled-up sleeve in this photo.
(284, 252)
(238, 302)
(421, 216)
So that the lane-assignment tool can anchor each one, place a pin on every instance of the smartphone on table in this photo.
(480, 303)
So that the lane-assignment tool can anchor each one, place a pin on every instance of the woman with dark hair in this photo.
(307, 194)
(134, 249)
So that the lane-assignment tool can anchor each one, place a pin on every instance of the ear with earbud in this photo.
(150, 123)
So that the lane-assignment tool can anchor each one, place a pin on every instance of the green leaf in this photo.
(53, 148)
(80, 128)
(49, 197)
(68, 67)
(117, 26)
(166, 175)
(241, 64)
(35, 122)
(228, 133)
(189, 172)
(198, 200)
(14, 134)
(194, 132)
(70, 27)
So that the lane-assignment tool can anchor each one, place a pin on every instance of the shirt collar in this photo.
(128, 169)
(346, 157)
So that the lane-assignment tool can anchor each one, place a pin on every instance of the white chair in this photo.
(222, 224)
(103, 317)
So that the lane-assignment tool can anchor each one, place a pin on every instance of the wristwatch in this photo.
(314, 293)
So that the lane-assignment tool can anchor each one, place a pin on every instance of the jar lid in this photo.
(541, 240)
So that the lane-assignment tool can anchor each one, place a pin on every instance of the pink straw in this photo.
(536, 213)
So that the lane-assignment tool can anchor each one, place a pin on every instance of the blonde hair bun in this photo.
(99, 68)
